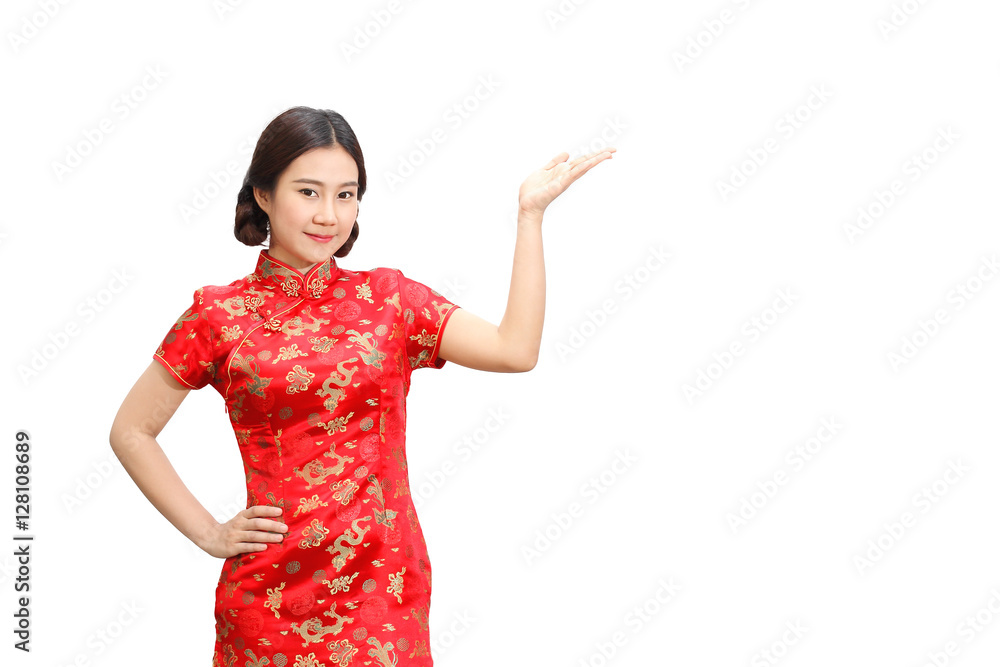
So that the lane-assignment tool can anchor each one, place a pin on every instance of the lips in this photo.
(320, 239)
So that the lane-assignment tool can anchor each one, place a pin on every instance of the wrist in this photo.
(203, 533)
(528, 216)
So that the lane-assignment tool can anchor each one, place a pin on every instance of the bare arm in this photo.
(512, 347)
(148, 407)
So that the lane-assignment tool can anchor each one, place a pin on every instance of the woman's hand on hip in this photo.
(247, 532)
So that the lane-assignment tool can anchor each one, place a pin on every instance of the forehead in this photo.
(333, 165)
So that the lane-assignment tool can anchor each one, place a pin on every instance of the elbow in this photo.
(115, 439)
(117, 432)
(515, 357)
(526, 363)
(113, 435)
(122, 439)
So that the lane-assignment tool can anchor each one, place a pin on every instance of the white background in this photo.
(615, 360)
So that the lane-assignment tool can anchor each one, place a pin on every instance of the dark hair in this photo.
(289, 135)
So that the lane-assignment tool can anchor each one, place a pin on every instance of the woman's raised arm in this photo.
(148, 407)
(512, 347)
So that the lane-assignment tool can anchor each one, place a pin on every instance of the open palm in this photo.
(547, 183)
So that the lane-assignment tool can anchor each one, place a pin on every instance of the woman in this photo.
(314, 363)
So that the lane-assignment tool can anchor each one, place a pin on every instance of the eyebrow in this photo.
(315, 182)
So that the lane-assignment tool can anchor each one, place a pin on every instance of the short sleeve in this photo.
(425, 314)
(188, 349)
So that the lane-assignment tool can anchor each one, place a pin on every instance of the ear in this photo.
(262, 200)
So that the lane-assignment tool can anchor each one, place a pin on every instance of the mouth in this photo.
(320, 239)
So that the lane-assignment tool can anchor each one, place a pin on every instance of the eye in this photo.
(348, 193)
(305, 190)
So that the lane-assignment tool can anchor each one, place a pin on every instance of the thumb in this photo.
(556, 160)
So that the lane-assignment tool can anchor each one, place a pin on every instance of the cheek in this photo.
(290, 212)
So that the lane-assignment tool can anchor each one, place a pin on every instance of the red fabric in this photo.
(314, 371)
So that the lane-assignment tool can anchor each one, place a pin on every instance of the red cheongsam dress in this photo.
(314, 371)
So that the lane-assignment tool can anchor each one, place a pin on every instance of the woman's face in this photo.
(313, 207)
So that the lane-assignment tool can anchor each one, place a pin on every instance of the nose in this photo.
(327, 213)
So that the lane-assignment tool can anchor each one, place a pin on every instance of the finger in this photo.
(596, 156)
(262, 510)
(556, 160)
(266, 525)
(586, 164)
(576, 162)
(259, 536)
(609, 149)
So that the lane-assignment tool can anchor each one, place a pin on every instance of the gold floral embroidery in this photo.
(272, 324)
(424, 338)
(316, 287)
(304, 661)
(365, 290)
(299, 378)
(339, 424)
(324, 344)
(343, 490)
(309, 504)
(341, 652)
(340, 583)
(396, 584)
(231, 333)
(314, 534)
(290, 352)
(274, 599)
(382, 652)
(252, 302)
(382, 516)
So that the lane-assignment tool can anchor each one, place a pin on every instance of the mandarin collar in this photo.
(274, 273)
